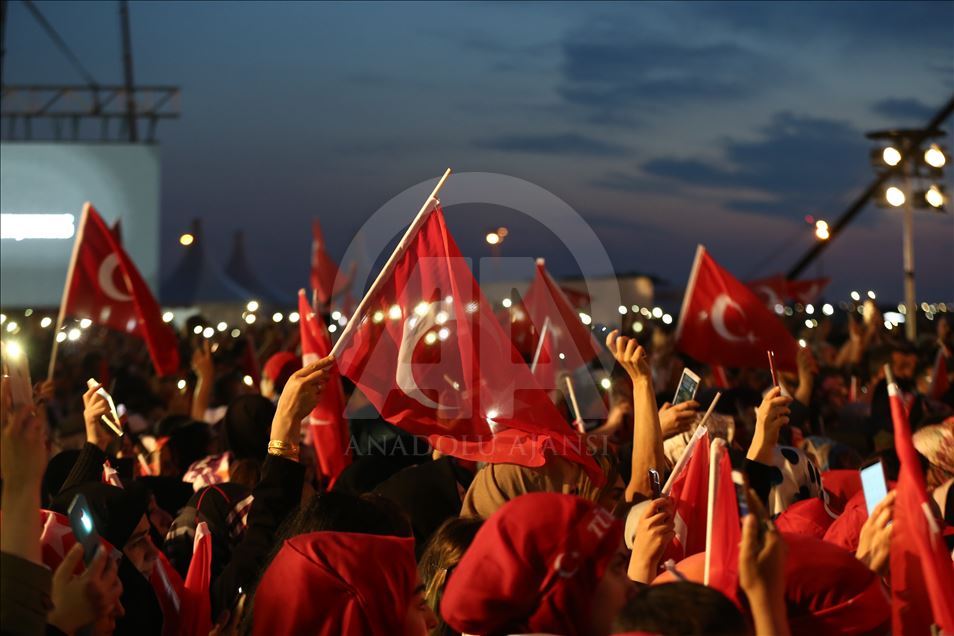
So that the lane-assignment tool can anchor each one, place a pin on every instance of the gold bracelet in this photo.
(287, 454)
(277, 444)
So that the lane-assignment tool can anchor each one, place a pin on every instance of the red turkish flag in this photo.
(940, 382)
(104, 285)
(922, 576)
(806, 291)
(772, 290)
(196, 615)
(547, 305)
(324, 271)
(690, 496)
(723, 322)
(329, 428)
(429, 353)
(724, 531)
(168, 587)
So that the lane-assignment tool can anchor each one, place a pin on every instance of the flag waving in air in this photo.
(324, 272)
(922, 575)
(557, 324)
(723, 322)
(104, 285)
(329, 429)
(426, 349)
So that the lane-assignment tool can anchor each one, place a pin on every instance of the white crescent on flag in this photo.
(105, 277)
(723, 302)
(770, 295)
(424, 317)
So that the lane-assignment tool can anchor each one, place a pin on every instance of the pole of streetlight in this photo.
(907, 231)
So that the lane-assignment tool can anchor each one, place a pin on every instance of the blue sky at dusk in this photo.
(663, 124)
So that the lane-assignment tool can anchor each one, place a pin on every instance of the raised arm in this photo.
(647, 434)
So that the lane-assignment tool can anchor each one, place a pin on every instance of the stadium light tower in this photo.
(914, 165)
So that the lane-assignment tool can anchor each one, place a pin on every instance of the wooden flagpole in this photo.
(576, 407)
(66, 289)
(389, 265)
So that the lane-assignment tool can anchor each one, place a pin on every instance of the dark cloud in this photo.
(616, 78)
(561, 144)
(799, 164)
(904, 108)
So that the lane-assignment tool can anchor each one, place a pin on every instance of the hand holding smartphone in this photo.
(688, 384)
(16, 368)
(111, 419)
(84, 529)
(655, 483)
(873, 484)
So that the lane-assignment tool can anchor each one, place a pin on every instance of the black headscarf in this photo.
(248, 423)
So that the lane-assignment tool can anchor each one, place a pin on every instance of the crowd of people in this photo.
(410, 541)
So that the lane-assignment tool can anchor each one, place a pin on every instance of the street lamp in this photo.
(902, 156)
(822, 231)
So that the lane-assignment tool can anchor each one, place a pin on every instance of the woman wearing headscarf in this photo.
(544, 562)
(320, 583)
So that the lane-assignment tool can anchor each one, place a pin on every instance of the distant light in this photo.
(894, 317)
(443, 333)
(377, 317)
(168, 316)
(809, 309)
(779, 309)
(585, 318)
(12, 326)
(506, 302)
(181, 384)
(36, 226)
(252, 305)
(85, 323)
(3, 318)
(855, 296)
(891, 156)
(471, 307)
(208, 332)
(197, 329)
(221, 326)
(250, 318)
(343, 321)
(667, 319)
(14, 349)
(888, 325)
(492, 413)
(902, 308)
(822, 231)
(606, 384)
(73, 334)
(46, 322)
(809, 323)
(657, 312)
(430, 338)
(788, 311)
(925, 307)
(335, 315)
(894, 196)
(827, 309)
(186, 240)
(934, 197)
(622, 310)
(61, 336)
(248, 380)
(492, 238)
(332, 328)
(934, 157)
(441, 317)
(802, 343)
(635, 308)
(394, 313)
(502, 232)
(871, 294)
(638, 327)
(645, 311)
(28, 313)
(236, 333)
(294, 317)
(420, 309)
(562, 356)
(277, 316)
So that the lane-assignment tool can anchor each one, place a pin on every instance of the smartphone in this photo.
(771, 359)
(111, 419)
(873, 484)
(655, 483)
(84, 529)
(688, 384)
(741, 493)
(16, 368)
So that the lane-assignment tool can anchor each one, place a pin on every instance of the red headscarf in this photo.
(828, 592)
(841, 485)
(809, 517)
(337, 583)
(533, 567)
